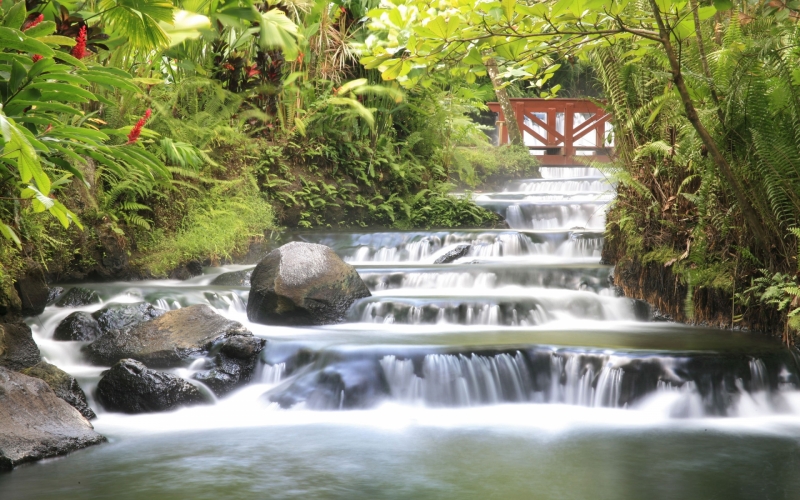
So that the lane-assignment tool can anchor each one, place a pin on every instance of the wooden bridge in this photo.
(557, 130)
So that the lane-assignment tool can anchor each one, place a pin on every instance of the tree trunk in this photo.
(514, 133)
(750, 215)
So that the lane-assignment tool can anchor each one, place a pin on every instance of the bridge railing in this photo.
(557, 130)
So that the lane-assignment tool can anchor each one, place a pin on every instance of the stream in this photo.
(513, 372)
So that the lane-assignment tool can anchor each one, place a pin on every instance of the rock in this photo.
(54, 294)
(173, 339)
(303, 284)
(78, 296)
(79, 325)
(17, 348)
(33, 291)
(63, 384)
(186, 271)
(454, 254)
(36, 424)
(345, 385)
(235, 359)
(131, 387)
(237, 278)
(118, 316)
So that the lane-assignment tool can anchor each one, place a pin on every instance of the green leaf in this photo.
(41, 29)
(18, 75)
(110, 80)
(722, 5)
(57, 40)
(16, 40)
(9, 233)
(69, 58)
(139, 21)
(63, 88)
(18, 148)
(15, 16)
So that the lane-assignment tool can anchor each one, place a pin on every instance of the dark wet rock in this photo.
(237, 278)
(33, 291)
(189, 270)
(642, 310)
(131, 387)
(35, 423)
(346, 385)
(303, 284)
(79, 325)
(118, 316)
(78, 296)
(173, 339)
(54, 294)
(63, 384)
(17, 348)
(235, 359)
(454, 254)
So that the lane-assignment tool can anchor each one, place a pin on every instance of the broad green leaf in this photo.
(16, 40)
(722, 5)
(41, 29)
(18, 148)
(57, 40)
(186, 26)
(15, 16)
(9, 233)
(18, 75)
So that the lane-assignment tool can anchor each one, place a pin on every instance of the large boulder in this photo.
(131, 387)
(17, 348)
(35, 423)
(78, 296)
(303, 284)
(174, 339)
(63, 384)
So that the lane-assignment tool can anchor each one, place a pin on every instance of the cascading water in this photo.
(516, 360)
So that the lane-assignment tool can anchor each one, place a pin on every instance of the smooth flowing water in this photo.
(513, 372)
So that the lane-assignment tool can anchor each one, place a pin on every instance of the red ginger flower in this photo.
(33, 22)
(79, 50)
(137, 129)
(36, 58)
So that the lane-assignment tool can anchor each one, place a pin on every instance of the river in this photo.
(513, 372)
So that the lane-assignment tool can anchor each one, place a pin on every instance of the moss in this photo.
(214, 228)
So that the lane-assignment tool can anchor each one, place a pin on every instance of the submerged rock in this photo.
(35, 423)
(237, 278)
(81, 325)
(454, 254)
(345, 385)
(78, 296)
(63, 384)
(173, 339)
(303, 284)
(131, 387)
(17, 348)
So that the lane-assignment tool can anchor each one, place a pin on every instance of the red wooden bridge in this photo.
(558, 130)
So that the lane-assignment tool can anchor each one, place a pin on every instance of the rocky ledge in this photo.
(35, 423)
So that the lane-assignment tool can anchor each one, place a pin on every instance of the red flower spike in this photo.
(79, 50)
(30, 24)
(137, 129)
(300, 57)
(36, 58)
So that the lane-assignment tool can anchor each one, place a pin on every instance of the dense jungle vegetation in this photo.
(138, 135)
(181, 131)
(706, 103)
